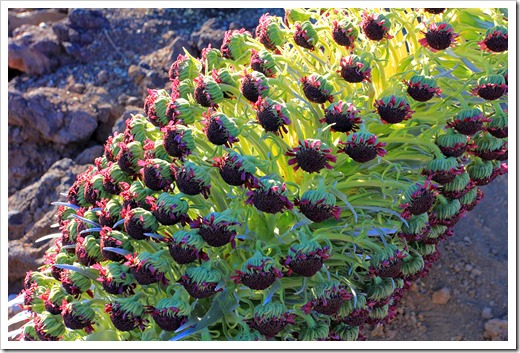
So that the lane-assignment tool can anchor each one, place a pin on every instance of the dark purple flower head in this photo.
(446, 212)
(355, 69)
(498, 125)
(342, 116)
(435, 11)
(148, 268)
(127, 313)
(236, 170)
(363, 147)
(452, 144)
(186, 247)
(139, 221)
(422, 88)
(375, 26)
(185, 67)
(311, 156)
(418, 198)
(78, 316)
(270, 319)
(393, 109)
(178, 140)
(88, 251)
(344, 33)
(490, 87)
(201, 281)
(305, 35)
(318, 206)
(439, 36)
(329, 296)
(495, 40)
(217, 229)
(207, 92)
(305, 259)
(468, 121)
(489, 147)
(272, 116)
(317, 89)
(254, 85)
(49, 327)
(157, 174)
(269, 32)
(269, 196)
(443, 170)
(116, 279)
(233, 46)
(193, 179)
(257, 273)
(387, 262)
(219, 129)
(170, 313)
(458, 187)
(263, 62)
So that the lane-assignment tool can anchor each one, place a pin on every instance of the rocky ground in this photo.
(75, 75)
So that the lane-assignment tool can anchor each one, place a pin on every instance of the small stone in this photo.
(456, 268)
(378, 332)
(78, 88)
(467, 240)
(487, 313)
(136, 74)
(420, 317)
(476, 272)
(468, 267)
(496, 330)
(442, 296)
(102, 77)
(133, 101)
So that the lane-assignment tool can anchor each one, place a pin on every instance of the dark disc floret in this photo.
(148, 268)
(375, 26)
(170, 313)
(207, 92)
(77, 316)
(305, 259)
(452, 144)
(387, 263)
(317, 89)
(305, 35)
(495, 40)
(311, 156)
(342, 116)
(422, 88)
(186, 247)
(468, 121)
(269, 196)
(354, 69)
(272, 116)
(263, 62)
(116, 279)
(329, 296)
(217, 229)
(178, 140)
(269, 32)
(344, 33)
(201, 281)
(490, 87)
(193, 179)
(363, 147)
(418, 198)
(318, 206)
(169, 209)
(257, 273)
(435, 11)
(127, 314)
(439, 36)
(393, 109)
(443, 170)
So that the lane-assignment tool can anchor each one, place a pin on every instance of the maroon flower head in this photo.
(305, 259)
(443, 170)
(375, 26)
(329, 298)
(116, 279)
(393, 109)
(270, 319)
(355, 69)
(317, 89)
(178, 140)
(342, 116)
(318, 206)
(193, 179)
(311, 156)
(495, 40)
(452, 144)
(148, 268)
(269, 33)
(435, 11)
(186, 247)
(418, 198)
(263, 62)
(236, 170)
(269, 196)
(201, 281)
(468, 121)
(305, 35)
(422, 88)
(363, 147)
(344, 33)
(254, 85)
(127, 314)
(217, 229)
(257, 273)
(77, 316)
(490, 87)
(439, 36)
(219, 129)
(272, 116)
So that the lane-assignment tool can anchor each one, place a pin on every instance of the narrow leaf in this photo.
(48, 236)
(66, 204)
(83, 219)
(21, 316)
(119, 251)
(155, 236)
(343, 198)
